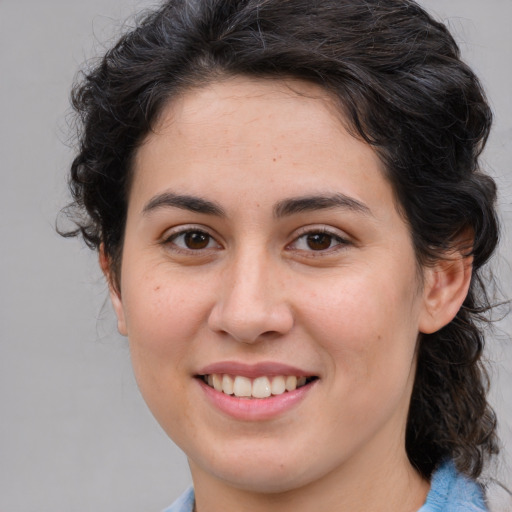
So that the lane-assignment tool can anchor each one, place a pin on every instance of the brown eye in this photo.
(319, 241)
(192, 240)
(196, 240)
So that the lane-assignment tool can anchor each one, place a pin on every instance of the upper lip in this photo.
(252, 371)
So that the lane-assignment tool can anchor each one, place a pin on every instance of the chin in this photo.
(264, 480)
(269, 473)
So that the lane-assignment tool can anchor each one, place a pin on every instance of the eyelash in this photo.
(171, 240)
(339, 242)
(321, 233)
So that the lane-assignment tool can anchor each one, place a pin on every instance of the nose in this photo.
(251, 304)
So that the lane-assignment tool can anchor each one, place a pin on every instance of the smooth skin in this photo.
(221, 264)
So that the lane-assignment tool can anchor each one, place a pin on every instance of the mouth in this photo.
(256, 388)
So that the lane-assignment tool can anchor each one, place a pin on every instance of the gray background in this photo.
(75, 434)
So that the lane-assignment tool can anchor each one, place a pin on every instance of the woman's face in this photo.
(263, 249)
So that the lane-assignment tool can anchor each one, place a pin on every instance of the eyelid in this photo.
(344, 239)
(172, 233)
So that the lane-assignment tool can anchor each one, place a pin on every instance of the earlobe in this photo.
(445, 289)
(115, 295)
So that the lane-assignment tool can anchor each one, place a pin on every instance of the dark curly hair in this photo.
(400, 84)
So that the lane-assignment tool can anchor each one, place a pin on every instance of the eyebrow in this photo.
(185, 202)
(284, 208)
(303, 204)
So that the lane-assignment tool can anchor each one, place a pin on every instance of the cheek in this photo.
(366, 324)
(160, 308)
(368, 335)
(163, 320)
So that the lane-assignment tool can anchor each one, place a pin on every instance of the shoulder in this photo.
(453, 492)
(185, 503)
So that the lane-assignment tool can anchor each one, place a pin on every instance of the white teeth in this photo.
(260, 387)
(291, 383)
(242, 386)
(217, 382)
(278, 385)
(227, 384)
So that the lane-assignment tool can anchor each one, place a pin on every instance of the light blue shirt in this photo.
(452, 492)
(185, 503)
(449, 492)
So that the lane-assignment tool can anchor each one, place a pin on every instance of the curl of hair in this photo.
(400, 84)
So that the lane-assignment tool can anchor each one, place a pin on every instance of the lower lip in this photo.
(255, 409)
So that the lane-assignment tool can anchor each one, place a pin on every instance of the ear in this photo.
(115, 294)
(445, 288)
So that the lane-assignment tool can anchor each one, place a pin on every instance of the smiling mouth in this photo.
(260, 387)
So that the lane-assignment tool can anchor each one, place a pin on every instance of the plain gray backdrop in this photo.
(75, 434)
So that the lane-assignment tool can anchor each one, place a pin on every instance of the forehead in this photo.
(257, 129)
(227, 95)
(260, 113)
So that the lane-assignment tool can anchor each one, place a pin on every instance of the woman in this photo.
(288, 207)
